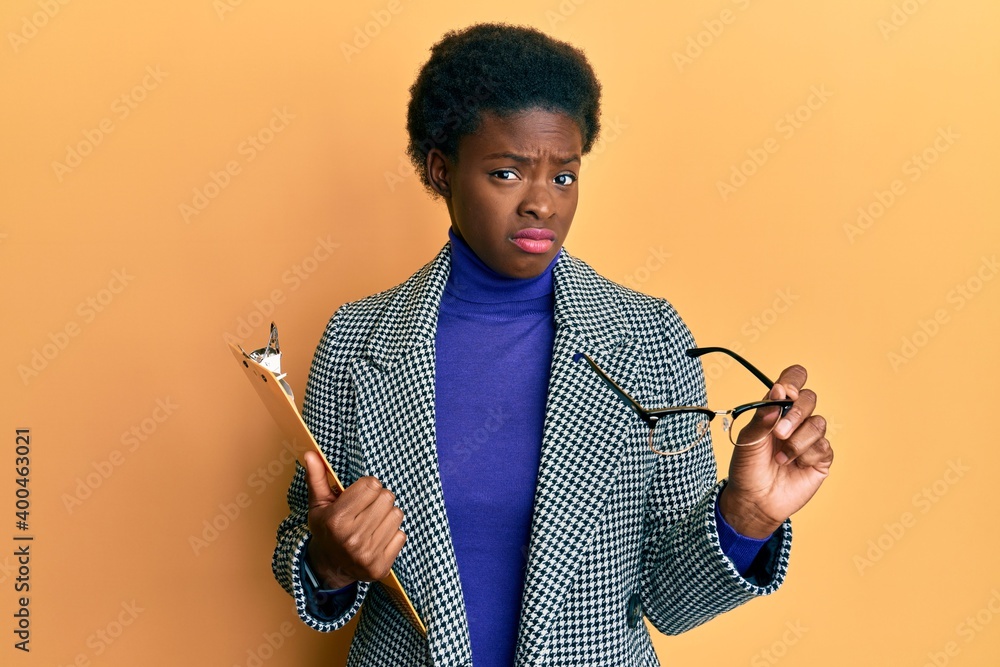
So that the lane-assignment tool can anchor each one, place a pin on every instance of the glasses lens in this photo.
(752, 426)
(678, 432)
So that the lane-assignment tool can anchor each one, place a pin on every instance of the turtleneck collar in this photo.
(472, 280)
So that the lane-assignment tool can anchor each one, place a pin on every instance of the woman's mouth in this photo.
(534, 240)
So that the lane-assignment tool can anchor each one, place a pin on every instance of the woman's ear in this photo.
(438, 172)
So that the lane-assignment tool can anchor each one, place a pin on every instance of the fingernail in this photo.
(781, 458)
(783, 428)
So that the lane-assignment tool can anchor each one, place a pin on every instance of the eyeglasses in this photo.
(676, 430)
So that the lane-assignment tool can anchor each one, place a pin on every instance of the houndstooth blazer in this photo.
(617, 532)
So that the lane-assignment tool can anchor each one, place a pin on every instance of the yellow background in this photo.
(882, 571)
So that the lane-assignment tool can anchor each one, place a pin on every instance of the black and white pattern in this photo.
(615, 526)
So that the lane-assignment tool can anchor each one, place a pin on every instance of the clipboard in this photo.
(263, 369)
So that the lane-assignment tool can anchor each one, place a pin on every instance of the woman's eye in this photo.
(505, 174)
(568, 179)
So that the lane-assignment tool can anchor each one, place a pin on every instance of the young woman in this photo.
(486, 415)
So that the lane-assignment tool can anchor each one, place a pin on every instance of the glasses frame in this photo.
(654, 415)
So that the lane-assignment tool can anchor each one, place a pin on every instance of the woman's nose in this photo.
(538, 201)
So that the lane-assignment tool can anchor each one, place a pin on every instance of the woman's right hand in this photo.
(356, 535)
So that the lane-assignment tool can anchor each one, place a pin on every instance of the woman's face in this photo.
(512, 191)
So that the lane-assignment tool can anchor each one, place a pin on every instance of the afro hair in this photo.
(503, 69)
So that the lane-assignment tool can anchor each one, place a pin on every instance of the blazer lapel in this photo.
(581, 444)
(396, 431)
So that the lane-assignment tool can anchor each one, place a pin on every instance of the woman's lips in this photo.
(534, 240)
(537, 247)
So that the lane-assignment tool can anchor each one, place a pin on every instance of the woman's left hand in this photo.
(771, 480)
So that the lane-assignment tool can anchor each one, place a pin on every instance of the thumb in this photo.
(320, 492)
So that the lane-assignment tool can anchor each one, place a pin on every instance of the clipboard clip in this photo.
(269, 357)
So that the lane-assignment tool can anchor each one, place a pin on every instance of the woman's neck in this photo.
(472, 280)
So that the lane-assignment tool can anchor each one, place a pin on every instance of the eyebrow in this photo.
(529, 160)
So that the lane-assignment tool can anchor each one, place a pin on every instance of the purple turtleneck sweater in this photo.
(493, 352)
(494, 349)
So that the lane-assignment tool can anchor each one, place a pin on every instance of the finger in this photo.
(388, 528)
(387, 542)
(777, 393)
(392, 549)
(317, 485)
(355, 501)
(793, 379)
(819, 456)
(800, 410)
(805, 436)
(396, 544)
(760, 424)
(371, 518)
(780, 392)
(381, 568)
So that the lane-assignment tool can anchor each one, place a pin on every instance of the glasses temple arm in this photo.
(698, 351)
(621, 393)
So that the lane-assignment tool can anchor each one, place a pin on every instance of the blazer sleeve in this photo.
(328, 392)
(686, 578)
